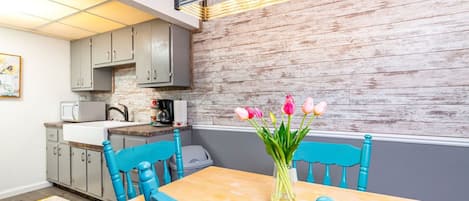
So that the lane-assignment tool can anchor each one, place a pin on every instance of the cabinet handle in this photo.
(54, 151)
(154, 76)
(89, 158)
(148, 77)
(114, 54)
(108, 55)
(59, 151)
(82, 156)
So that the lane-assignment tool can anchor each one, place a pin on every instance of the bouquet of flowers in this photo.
(281, 141)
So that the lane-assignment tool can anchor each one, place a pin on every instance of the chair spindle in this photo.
(343, 181)
(327, 176)
(310, 177)
(167, 177)
(130, 186)
(294, 164)
(177, 140)
(114, 171)
(364, 164)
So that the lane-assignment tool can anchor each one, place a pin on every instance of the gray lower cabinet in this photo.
(64, 162)
(52, 161)
(79, 168)
(87, 171)
(57, 157)
(94, 172)
(162, 54)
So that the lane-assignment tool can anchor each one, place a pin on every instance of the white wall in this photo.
(45, 82)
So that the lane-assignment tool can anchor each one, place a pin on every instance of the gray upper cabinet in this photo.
(143, 53)
(162, 54)
(113, 48)
(101, 49)
(81, 71)
(122, 45)
(83, 76)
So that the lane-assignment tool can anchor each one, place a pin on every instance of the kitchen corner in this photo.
(81, 166)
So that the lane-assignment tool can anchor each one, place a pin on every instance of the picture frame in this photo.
(10, 75)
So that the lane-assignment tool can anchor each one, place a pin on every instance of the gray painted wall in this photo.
(419, 171)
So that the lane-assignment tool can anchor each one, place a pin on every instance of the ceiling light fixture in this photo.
(201, 9)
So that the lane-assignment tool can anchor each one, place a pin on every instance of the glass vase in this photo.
(283, 189)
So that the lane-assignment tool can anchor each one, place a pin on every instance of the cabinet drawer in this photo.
(52, 134)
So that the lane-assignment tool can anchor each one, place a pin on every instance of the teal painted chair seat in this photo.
(128, 159)
(343, 155)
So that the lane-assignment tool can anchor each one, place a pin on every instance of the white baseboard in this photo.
(23, 189)
(415, 139)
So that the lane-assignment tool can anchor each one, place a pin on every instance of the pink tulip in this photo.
(308, 106)
(242, 113)
(320, 108)
(258, 113)
(251, 112)
(289, 106)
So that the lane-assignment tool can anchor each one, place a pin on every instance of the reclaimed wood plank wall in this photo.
(389, 66)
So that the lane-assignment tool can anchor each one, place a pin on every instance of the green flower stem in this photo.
(288, 131)
(311, 120)
(283, 183)
(302, 121)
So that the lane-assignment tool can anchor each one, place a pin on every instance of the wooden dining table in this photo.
(222, 184)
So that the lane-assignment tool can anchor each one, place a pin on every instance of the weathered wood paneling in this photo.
(390, 66)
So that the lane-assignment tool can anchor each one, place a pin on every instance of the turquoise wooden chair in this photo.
(126, 160)
(343, 155)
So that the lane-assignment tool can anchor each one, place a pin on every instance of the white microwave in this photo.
(82, 111)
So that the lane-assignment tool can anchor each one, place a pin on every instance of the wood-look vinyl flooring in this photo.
(47, 192)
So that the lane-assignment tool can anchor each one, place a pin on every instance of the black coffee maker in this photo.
(166, 114)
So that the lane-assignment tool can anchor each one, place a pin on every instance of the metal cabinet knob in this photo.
(154, 75)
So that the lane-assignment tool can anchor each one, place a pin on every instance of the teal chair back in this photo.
(128, 159)
(343, 155)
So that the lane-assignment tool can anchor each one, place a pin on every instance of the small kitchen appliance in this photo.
(166, 114)
(82, 111)
(180, 113)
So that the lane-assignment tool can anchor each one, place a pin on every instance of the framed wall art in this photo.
(10, 76)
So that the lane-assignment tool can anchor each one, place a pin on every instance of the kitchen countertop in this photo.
(144, 130)
(58, 124)
(138, 130)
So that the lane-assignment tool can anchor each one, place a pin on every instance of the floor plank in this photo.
(46, 192)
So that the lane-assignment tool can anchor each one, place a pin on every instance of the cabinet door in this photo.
(108, 189)
(161, 47)
(79, 168)
(122, 45)
(143, 52)
(86, 68)
(101, 49)
(75, 65)
(52, 161)
(94, 173)
(64, 164)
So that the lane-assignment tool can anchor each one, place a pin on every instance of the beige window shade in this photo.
(206, 10)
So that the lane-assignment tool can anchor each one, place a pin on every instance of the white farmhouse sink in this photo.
(92, 132)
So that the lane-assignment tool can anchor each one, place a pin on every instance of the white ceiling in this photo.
(69, 19)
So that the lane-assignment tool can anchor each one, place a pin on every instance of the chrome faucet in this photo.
(124, 113)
